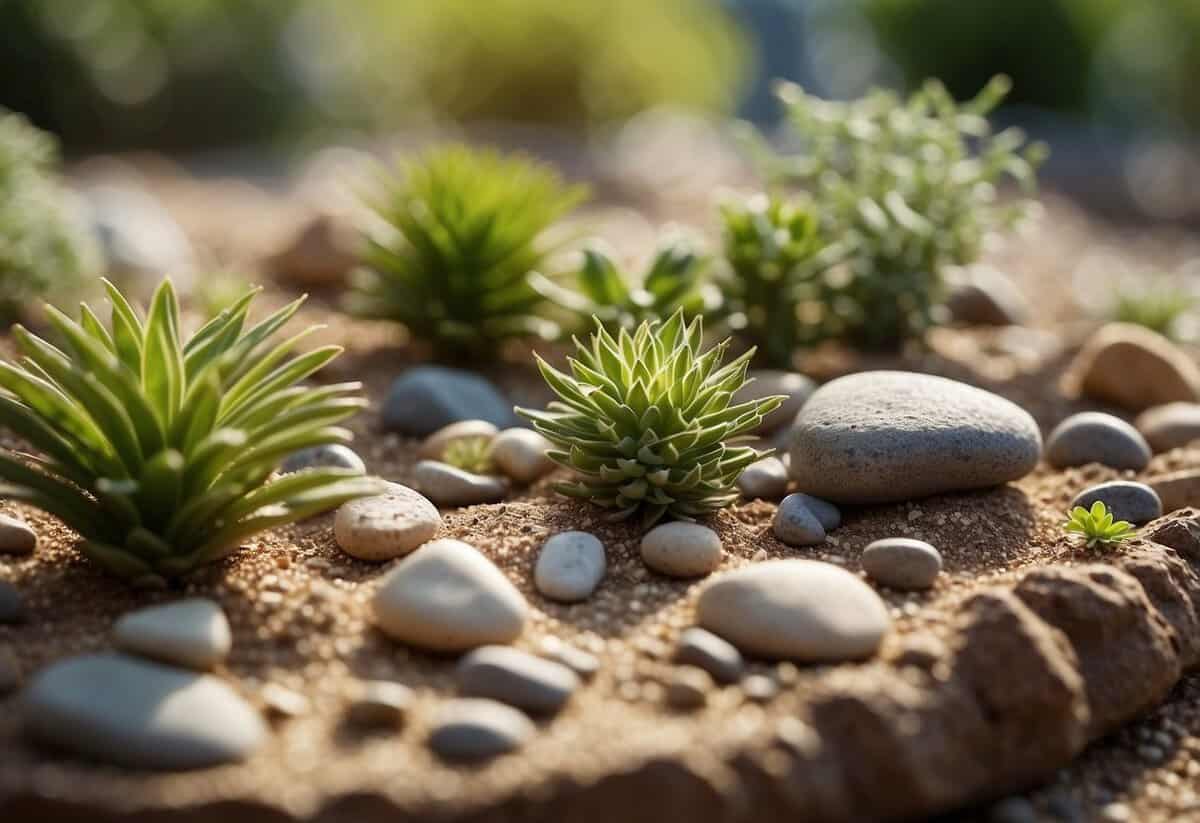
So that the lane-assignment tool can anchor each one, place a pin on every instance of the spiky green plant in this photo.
(1097, 526)
(465, 229)
(160, 452)
(675, 279)
(45, 246)
(910, 187)
(647, 423)
(776, 295)
(471, 454)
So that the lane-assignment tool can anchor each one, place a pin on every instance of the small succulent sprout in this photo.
(676, 279)
(471, 454)
(647, 423)
(1158, 303)
(1098, 525)
(160, 453)
(461, 233)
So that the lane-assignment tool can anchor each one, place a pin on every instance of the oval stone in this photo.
(331, 455)
(800, 610)
(570, 566)
(16, 537)
(766, 479)
(143, 715)
(447, 596)
(682, 549)
(796, 524)
(1135, 502)
(886, 436)
(902, 563)
(794, 387)
(193, 633)
(449, 485)
(520, 679)
(473, 729)
(521, 454)
(1095, 437)
(1170, 426)
(434, 446)
(386, 525)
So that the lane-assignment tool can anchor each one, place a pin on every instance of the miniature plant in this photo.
(675, 280)
(775, 292)
(1098, 526)
(44, 243)
(647, 423)
(466, 230)
(896, 180)
(1159, 306)
(471, 454)
(160, 453)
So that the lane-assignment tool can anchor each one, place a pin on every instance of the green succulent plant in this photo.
(647, 423)
(1097, 526)
(676, 279)
(471, 454)
(776, 294)
(1159, 305)
(908, 186)
(465, 230)
(45, 246)
(160, 452)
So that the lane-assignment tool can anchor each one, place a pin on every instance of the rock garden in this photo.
(800, 514)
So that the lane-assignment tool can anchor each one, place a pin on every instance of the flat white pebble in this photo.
(447, 596)
(902, 563)
(448, 485)
(521, 454)
(570, 566)
(474, 729)
(193, 633)
(386, 525)
(682, 549)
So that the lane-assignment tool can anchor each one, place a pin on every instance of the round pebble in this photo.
(795, 523)
(765, 479)
(1095, 437)
(521, 454)
(1170, 426)
(475, 729)
(448, 485)
(133, 713)
(887, 436)
(379, 703)
(427, 398)
(447, 596)
(434, 446)
(16, 537)
(333, 455)
(193, 633)
(682, 549)
(759, 688)
(902, 563)
(570, 566)
(703, 649)
(794, 387)
(1135, 502)
(794, 609)
(688, 688)
(520, 679)
(12, 605)
(386, 525)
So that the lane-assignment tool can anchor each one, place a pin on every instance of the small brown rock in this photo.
(1177, 490)
(1170, 426)
(689, 688)
(379, 703)
(1133, 367)
(321, 253)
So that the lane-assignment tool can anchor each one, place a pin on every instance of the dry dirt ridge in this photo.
(980, 690)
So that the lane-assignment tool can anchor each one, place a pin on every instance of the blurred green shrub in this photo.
(192, 73)
(45, 244)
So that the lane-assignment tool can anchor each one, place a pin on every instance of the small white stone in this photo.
(192, 633)
(16, 537)
(766, 479)
(434, 446)
(386, 525)
(682, 549)
(448, 485)
(521, 454)
(447, 596)
(570, 566)
(902, 563)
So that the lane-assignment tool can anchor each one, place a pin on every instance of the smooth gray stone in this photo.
(796, 524)
(827, 514)
(1170, 426)
(720, 658)
(448, 485)
(12, 605)
(333, 456)
(143, 715)
(902, 563)
(1095, 437)
(474, 729)
(426, 398)
(1135, 502)
(520, 679)
(887, 436)
(570, 566)
(766, 479)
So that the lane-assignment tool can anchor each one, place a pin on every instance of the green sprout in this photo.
(909, 187)
(646, 421)
(465, 230)
(471, 454)
(674, 280)
(1158, 306)
(45, 247)
(1098, 525)
(160, 453)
